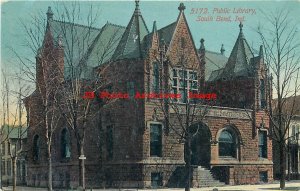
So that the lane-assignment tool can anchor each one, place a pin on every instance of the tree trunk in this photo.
(82, 167)
(282, 162)
(188, 163)
(49, 168)
(14, 160)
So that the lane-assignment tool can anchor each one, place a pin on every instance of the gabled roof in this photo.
(166, 33)
(90, 46)
(214, 61)
(130, 43)
(215, 74)
(76, 37)
(103, 47)
(239, 60)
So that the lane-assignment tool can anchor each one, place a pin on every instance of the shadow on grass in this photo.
(287, 188)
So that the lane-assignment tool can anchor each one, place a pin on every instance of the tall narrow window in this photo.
(9, 167)
(293, 135)
(65, 144)
(262, 144)
(227, 144)
(130, 89)
(262, 94)
(3, 149)
(36, 148)
(3, 167)
(155, 77)
(156, 140)
(109, 142)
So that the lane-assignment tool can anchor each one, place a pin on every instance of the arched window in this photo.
(65, 144)
(227, 144)
(36, 148)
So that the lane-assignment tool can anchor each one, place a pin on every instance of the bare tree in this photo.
(76, 110)
(9, 128)
(281, 45)
(62, 95)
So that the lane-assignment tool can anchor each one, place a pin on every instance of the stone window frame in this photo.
(187, 82)
(149, 123)
(63, 157)
(238, 141)
(36, 148)
(267, 133)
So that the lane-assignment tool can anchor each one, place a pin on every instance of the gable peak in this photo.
(181, 7)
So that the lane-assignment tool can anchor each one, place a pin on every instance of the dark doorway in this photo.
(200, 145)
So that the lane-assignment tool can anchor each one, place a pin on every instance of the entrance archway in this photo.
(200, 145)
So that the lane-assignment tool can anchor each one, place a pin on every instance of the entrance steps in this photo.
(203, 177)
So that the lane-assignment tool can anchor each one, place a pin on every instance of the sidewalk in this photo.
(291, 186)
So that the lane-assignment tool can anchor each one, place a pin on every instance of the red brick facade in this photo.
(236, 109)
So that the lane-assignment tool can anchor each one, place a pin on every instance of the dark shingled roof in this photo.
(240, 61)
(130, 45)
(166, 33)
(90, 46)
(214, 62)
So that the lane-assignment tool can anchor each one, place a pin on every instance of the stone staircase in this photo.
(203, 177)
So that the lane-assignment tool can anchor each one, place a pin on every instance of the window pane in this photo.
(155, 140)
(183, 83)
(262, 144)
(174, 82)
(227, 144)
(174, 73)
(183, 93)
(180, 73)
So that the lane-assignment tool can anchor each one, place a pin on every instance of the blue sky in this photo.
(164, 12)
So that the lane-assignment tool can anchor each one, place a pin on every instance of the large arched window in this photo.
(36, 148)
(65, 144)
(227, 144)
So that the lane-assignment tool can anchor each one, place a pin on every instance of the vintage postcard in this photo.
(106, 95)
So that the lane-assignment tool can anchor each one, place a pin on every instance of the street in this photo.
(290, 185)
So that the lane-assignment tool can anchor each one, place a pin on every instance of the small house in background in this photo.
(292, 139)
(13, 139)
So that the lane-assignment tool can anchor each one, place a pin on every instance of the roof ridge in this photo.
(167, 26)
(76, 24)
(210, 51)
(114, 24)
